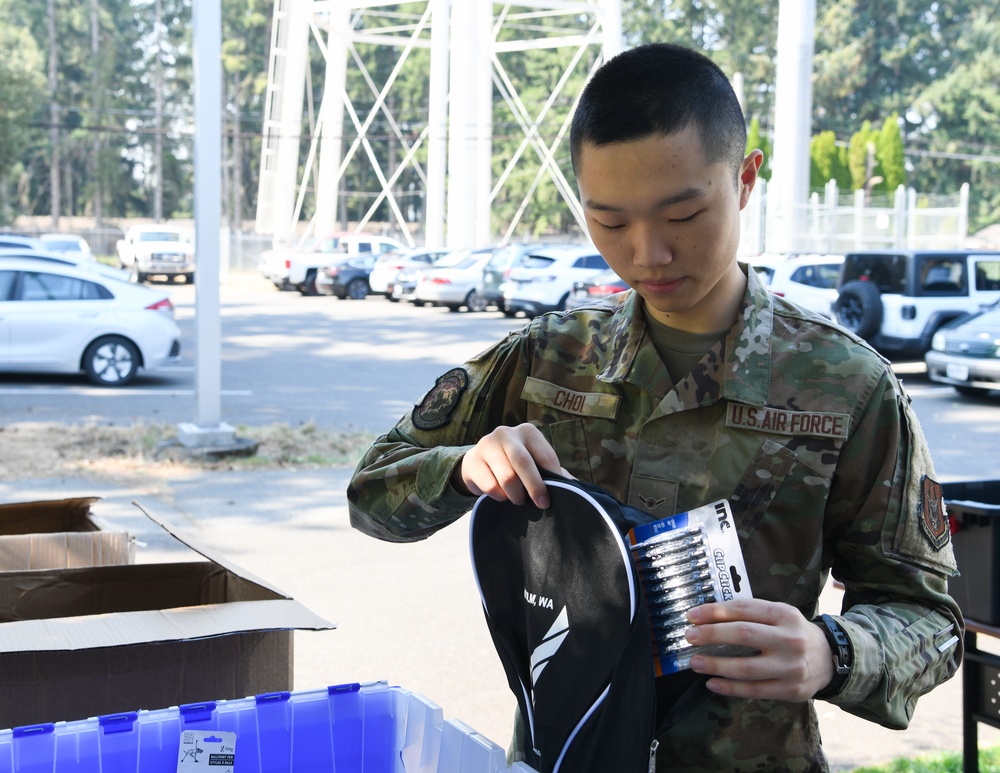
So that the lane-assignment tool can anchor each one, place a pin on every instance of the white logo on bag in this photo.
(551, 642)
(538, 601)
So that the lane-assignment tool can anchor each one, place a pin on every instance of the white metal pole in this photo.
(469, 122)
(437, 141)
(207, 206)
(461, 126)
(612, 27)
(291, 74)
(332, 113)
(483, 63)
(792, 117)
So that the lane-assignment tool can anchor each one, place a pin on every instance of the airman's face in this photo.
(668, 223)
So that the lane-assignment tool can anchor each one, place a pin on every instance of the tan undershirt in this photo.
(679, 350)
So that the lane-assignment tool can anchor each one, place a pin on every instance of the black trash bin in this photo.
(974, 510)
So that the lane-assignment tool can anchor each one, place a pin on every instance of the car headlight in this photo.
(937, 342)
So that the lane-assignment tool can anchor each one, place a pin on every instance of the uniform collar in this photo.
(746, 372)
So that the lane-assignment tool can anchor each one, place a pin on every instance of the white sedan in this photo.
(50, 257)
(64, 319)
(451, 281)
(388, 266)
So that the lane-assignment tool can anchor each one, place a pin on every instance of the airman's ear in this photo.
(748, 175)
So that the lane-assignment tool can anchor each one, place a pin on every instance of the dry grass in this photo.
(33, 450)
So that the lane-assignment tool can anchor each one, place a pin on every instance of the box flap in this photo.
(199, 547)
(52, 515)
(187, 623)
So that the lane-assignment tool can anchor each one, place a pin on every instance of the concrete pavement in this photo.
(409, 614)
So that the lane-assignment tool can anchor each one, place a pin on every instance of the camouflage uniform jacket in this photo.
(801, 426)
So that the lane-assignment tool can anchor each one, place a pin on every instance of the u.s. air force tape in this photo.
(782, 422)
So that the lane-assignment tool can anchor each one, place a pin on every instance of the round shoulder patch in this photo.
(435, 409)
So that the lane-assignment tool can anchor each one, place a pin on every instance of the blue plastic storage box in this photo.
(354, 728)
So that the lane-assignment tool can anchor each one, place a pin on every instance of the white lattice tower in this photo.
(468, 41)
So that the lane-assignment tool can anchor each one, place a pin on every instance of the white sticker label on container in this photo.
(207, 750)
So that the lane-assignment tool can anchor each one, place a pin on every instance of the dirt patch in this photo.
(43, 450)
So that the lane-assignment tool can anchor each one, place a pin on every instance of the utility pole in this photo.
(158, 115)
(209, 432)
(55, 189)
(789, 187)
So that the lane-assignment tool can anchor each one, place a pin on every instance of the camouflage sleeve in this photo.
(400, 490)
(891, 549)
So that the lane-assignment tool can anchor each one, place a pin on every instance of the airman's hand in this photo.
(505, 465)
(795, 659)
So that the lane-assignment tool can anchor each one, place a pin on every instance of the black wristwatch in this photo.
(843, 657)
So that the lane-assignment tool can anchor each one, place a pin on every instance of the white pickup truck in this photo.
(297, 268)
(157, 249)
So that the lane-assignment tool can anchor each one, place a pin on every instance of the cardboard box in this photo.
(974, 510)
(77, 643)
(58, 534)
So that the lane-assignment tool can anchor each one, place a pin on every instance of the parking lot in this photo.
(349, 364)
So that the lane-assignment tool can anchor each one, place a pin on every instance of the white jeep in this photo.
(898, 299)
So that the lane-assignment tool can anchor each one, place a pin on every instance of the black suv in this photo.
(898, 299)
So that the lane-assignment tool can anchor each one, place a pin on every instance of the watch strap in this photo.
(843, 660)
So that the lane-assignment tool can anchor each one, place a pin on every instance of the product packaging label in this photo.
(202, 751)
(684, 561)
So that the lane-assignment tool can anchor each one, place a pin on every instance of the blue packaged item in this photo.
(684, 561)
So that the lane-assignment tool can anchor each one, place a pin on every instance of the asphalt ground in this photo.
(409, 614)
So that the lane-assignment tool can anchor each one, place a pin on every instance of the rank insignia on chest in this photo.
(435, 409)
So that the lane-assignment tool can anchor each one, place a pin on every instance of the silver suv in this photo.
(898, 299)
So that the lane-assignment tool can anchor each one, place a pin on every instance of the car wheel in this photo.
(111, 361)
(309, 286)
(562, 305)
(509, 313)
(189, 278)
(357, 289)
(476, 301)
(859, 308)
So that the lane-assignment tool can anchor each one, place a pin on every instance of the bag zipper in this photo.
(652, 755)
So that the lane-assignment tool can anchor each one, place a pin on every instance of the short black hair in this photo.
(660, 89)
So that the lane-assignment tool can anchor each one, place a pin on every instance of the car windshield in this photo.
(537, 261)
(503, 256)
(454, 259)
(63, 245)
(160, 236)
